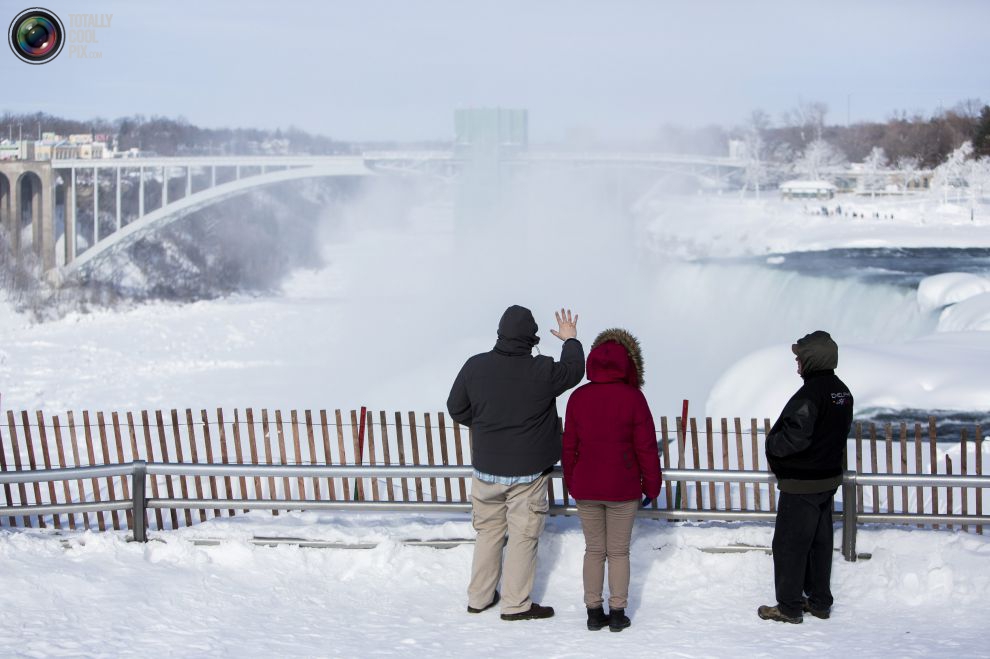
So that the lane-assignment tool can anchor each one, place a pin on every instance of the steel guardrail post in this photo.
(850, 515)
(138, 477)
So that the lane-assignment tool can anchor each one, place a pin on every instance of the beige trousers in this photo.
(520, 511)
(607, 529)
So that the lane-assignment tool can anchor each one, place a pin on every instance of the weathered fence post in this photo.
(849, 515)
(138, 511)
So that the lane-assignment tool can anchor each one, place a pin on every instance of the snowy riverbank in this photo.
(727, 226)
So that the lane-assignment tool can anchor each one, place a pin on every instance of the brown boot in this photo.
(774, 613)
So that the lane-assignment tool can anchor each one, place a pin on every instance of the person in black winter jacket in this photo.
(508, 399)
(805, 449)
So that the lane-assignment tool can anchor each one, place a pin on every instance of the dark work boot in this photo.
(597, 618)
(494, 601)
(824, 614)
(535, 612)
(617, 620)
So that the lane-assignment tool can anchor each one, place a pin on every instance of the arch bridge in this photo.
(73, 212)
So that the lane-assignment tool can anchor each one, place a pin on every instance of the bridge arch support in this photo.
(27, 200)
(6, 205)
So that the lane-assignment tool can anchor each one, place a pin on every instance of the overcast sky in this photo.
(376, 69)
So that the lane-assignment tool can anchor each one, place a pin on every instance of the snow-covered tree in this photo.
(978, 179)
(873, 167)
(818, 156)
(952, 174)
(809, 118)
(753, 151)
(910, 169)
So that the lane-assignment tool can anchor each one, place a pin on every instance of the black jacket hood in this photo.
(517, 332)
(816, 352)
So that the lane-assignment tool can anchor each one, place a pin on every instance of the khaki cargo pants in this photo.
(521, 511)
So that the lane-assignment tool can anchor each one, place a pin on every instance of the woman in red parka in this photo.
(610, 461)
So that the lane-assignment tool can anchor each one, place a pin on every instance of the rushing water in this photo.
(901, 267)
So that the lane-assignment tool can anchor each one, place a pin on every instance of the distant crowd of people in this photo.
(608, 450)
(837, 211)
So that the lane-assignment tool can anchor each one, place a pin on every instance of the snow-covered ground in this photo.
(921, 594)
(729, 226)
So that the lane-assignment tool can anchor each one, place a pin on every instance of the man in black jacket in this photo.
(806, 452)
(508, 399)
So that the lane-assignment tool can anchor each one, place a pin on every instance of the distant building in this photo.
(807, 190)
(25, 150)
(9, 150)
(65, 150)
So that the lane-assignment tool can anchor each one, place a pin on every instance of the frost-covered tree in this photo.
(809, 118)
(873, 167)
(910, 169)
(977, 179)
(754, 148)
(952, 173)
(817, 157)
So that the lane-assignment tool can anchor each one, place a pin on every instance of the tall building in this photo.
(494, 132)
(485, 138)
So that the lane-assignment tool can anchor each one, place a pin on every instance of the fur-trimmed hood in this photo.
(604, 360)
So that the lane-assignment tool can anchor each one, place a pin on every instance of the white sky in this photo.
(375, 69)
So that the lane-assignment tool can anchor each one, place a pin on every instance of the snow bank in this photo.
(100, 595)
(963, 297)
(970, 314)
(715, 227)
(948, 288)
(946, 370)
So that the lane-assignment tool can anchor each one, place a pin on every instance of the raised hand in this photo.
(566, 325)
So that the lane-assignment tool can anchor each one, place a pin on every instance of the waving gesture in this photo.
(566, 325)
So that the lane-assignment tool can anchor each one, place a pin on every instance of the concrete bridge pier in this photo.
(29, 186)
(6, 210)
(69, 237)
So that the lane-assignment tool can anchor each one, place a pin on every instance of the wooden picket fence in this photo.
(40, 441)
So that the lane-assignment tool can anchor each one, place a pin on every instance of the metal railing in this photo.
(139, 504)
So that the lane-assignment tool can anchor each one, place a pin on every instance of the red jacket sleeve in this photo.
(569, 448)
(645, 444)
